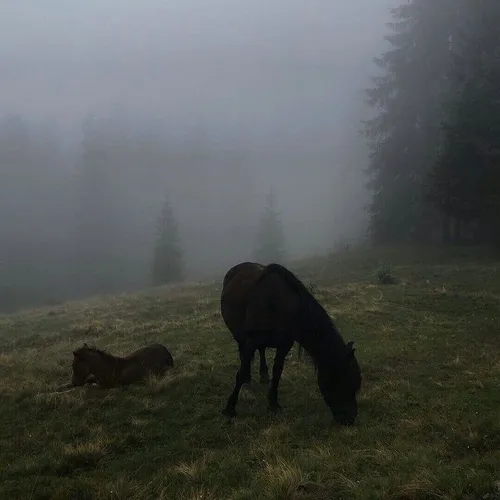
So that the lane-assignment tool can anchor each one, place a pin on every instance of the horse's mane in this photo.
(313, 314)
(107, 355)
(311, 307)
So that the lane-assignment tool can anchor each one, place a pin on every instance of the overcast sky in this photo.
(219, 60)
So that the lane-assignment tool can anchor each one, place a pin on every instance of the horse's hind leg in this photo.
(242, 374)
(263, 370)
(279, 362)
(241, 348)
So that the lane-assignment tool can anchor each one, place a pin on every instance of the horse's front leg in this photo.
(279, 362)
(241, 375)
(263, 370)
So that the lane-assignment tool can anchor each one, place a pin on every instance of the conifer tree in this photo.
(167, 259)
(466, 175)
(270, 245)
(403, 135)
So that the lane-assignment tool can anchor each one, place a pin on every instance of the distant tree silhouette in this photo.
(270, 245)
(167, 259)
(97, 219)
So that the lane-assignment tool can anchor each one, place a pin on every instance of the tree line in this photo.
(434, 136)
(89, 219)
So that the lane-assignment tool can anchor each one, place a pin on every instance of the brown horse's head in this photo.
(339, 384)
(81, 368)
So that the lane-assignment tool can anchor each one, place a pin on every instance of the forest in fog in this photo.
(84, 219)
(108, 121)
(158, 143)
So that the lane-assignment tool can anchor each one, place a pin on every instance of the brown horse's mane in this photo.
(105, 354)
(312, 306)
(320, 326)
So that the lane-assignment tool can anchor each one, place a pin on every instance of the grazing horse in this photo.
(268, 306)
(112, 371)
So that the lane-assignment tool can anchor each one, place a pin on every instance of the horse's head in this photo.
(339, 382)
(81, 369)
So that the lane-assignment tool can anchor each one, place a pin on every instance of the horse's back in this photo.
(242, 271)
(258, 297)
(155, 356)
(272, 303)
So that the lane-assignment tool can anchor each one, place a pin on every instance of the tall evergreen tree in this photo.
(167, 258)
(270, 245)
(466, 175)
(403, 136)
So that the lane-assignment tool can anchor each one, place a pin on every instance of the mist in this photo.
(210, 104)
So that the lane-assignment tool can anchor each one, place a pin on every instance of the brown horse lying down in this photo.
(93, 364)
(268, 306)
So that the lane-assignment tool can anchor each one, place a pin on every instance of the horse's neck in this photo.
(326, 344)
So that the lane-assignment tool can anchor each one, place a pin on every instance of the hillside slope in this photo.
(429, 416)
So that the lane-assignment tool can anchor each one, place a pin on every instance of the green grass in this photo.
(429, 409)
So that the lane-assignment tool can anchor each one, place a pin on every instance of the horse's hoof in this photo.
(229, 412)
(264, 378)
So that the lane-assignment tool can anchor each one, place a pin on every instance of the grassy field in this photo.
(429, 409)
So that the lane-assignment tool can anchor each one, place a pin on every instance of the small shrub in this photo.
(385, 275)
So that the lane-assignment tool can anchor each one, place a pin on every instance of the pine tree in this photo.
(167, 258)
(403, 136)
(270, 245)
(466, 174)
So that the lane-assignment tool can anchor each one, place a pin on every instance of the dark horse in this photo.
(268, 306)
(111, 371)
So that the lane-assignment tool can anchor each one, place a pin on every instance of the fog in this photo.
(223, 99)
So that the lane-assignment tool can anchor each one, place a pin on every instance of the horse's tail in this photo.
(306, 354)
